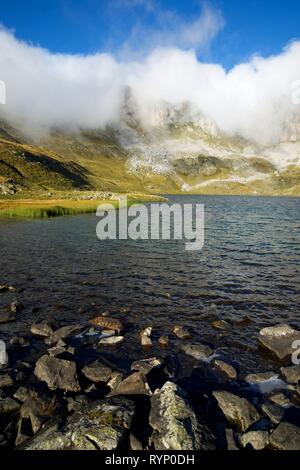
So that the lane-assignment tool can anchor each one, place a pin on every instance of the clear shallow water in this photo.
(249, 266)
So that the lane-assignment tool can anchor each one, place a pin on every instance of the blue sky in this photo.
(244, 27)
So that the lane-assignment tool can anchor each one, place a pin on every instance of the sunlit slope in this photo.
(168, 158)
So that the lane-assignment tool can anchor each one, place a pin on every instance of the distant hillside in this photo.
(176, 152)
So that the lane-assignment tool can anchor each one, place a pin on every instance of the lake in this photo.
(249, 267)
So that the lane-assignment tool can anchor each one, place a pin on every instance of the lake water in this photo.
(249, 266)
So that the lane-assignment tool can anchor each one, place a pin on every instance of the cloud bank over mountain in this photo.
(46, 90)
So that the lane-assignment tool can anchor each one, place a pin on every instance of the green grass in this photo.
(43, 212)
(37, 209)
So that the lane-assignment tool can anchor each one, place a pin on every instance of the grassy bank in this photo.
(45, 208)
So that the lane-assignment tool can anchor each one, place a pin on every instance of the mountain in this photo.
(176, 149)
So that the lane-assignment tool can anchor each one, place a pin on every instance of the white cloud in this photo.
(47, 90)
(168, 29)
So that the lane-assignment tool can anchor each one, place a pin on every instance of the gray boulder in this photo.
(174, 423)
(134, 384)
(226, 369)
(273, 412)
(278, 340)
(44, 328)
(64, 332)
(291, 374)
(285, 437)
(238, 411)
(57, 373)
(101, 425)
(97, 372)
(146, 365)
(257, 440)
(8, 405)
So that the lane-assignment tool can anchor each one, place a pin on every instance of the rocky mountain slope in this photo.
(176, 150)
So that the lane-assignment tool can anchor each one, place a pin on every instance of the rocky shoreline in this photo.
(65, 386)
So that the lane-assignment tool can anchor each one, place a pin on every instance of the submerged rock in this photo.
(278, 340)
(97, 372)
(260, 377)
(237, 410)
(174, 422)
(257, 440)
(101, 425)
(57, 373)
(145, 336)
(181, 333)
(291, 374)
(163, 341)
(6, 288)
(199, 351)
(286, 437)
(16, 306)
(6, 317)
(146, 365)
(221, 325)
(107, 323)
(134, 384)
(227, 369)
(111, 340)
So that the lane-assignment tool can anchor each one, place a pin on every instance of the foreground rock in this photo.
(57, 373)
(226, 369)
(278, 340)
(8, 405)
(134, 384)
(63, 333)
(291, 374)
(36, 410)
(273, 412)
(97, 372)
(286, 437)
(146, 365)
(174, 422)
(201, 352)
(257, 440)
(6, 381)
(238, 411)
(102, 425)
(44, 328)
